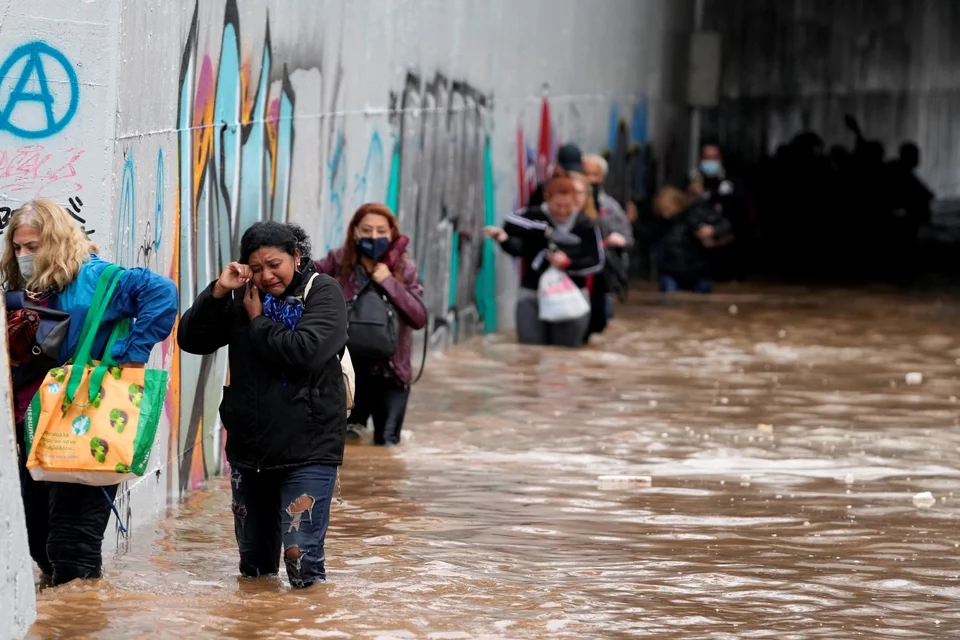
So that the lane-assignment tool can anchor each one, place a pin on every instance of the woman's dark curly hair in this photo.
(288, 237)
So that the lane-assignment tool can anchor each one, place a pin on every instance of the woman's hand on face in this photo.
(252, 302)
(233, 277)
(380, 273)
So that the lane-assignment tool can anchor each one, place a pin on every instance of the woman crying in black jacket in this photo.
(285, 408)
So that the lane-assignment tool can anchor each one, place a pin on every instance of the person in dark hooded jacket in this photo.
(683, 235)
(285, 409)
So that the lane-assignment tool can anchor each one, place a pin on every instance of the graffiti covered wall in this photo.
(207, 116)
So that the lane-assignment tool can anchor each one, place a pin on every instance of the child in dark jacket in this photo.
(683, 234)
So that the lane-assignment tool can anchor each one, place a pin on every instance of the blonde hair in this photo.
(590, 208)
(64, 247)
(670, 195)
(600, 161)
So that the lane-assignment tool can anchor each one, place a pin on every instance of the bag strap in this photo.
(96, 302)
(106, 285)
(306, 290)
(121, 329)
(426, 337)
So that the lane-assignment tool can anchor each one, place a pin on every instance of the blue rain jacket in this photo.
(151, 300)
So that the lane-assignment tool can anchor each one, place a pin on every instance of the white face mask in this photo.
(26, 265)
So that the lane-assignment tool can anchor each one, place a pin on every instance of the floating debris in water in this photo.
(924, 500)
(733, 310)
(622, 482)
(914, 377)
(848, 479)
(765, 428)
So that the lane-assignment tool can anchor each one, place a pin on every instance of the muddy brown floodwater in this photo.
(490, 522)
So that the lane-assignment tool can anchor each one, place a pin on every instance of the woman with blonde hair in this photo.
(49, 262)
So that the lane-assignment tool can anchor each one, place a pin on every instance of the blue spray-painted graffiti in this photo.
(127, 250)
(370, 185)
(124, 250)
(33, 86)
(333, 227)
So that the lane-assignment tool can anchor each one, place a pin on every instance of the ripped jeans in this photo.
(283, 507)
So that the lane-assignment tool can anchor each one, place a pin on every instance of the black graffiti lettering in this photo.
(443, 127)
(5, 214)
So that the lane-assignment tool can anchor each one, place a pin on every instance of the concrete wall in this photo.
(795, 64)
(17, 601)
(194, 119)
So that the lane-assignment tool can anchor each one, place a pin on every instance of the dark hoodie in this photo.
(286, 403)
(679, 251)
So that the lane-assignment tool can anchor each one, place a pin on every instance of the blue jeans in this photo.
(670, 284)
(288, 507)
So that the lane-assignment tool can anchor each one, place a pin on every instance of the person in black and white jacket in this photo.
(552, 234)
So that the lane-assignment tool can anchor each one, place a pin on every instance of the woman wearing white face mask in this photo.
(49, 263)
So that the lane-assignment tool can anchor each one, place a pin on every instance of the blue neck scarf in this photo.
(287, 311)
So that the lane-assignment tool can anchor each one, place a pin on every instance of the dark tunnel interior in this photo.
(836, 122)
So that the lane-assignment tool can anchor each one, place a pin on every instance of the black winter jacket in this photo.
(679, 251)
(528, 241)
(286, 405)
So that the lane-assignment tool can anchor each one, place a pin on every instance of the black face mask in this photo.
(373, 248)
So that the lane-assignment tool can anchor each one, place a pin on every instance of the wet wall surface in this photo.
(791, 65)
(785, 449)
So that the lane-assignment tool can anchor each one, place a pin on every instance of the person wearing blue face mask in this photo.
(711, 184)
(709, 178)
(374, 260)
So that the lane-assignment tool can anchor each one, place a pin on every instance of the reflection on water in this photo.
(785, 448)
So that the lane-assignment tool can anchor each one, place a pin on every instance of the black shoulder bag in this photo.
(373, 328)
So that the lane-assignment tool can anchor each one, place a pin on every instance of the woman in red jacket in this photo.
(374, 254)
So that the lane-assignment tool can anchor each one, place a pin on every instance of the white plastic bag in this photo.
(560, 299)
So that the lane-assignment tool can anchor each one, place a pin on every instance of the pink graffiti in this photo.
(205, 91)
(33, 172)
